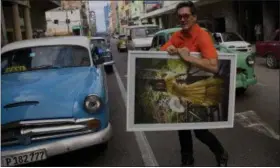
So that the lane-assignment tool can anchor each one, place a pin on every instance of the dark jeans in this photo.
(204, 136)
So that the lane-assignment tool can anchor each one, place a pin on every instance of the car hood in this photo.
(44, 94)
(236, 43)
(143, 42)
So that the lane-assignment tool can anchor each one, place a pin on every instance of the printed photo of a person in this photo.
(173, 91)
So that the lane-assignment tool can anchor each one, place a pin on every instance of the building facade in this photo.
(113, 6)
(23, 19)
(66, 4)
(57, 22)
(136, 10)
(232, 16)
(93, 22)
(106, 16)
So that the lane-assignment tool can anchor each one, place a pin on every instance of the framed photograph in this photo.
(167, 93)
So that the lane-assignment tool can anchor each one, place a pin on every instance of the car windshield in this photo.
(122, 37)
(144, 32)
(98, 42)
(46, 57)
(231, 37)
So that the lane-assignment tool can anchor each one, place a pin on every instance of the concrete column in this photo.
(3, 26)
(160, 22)
(27, 22)
(16, 21)
(154, 21)
(267, 21)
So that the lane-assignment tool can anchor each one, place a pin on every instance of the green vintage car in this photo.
(245, 61)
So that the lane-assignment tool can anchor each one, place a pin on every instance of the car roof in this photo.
(48, 41)
(97, 38)
(139, 26)
(172, 30)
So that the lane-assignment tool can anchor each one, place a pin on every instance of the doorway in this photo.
(220, 24)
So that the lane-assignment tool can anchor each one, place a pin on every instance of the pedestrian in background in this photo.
(258, 32)
(194, 39)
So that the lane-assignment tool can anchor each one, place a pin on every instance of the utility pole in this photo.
(66, 21)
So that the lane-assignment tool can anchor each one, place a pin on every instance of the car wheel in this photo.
(271, 61)
(240, 91)
(109, 69)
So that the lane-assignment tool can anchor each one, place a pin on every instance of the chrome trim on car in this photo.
(65, 145)
(24, 132)
(109, 63)
(55, 129)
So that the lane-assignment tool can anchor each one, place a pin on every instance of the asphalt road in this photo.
(252, 142)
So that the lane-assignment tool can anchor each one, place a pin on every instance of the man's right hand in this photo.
(172, 50)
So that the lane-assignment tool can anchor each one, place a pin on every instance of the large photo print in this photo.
(166, 93)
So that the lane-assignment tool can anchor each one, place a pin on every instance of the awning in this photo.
(76, 27)
(161, 11)
(170, 8)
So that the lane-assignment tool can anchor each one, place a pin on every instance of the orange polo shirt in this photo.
(198, 40)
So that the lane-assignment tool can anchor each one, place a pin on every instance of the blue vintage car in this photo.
(54, 99)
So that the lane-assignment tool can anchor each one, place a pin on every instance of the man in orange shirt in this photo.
(194, 39)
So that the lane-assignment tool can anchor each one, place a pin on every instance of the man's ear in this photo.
(194, 18)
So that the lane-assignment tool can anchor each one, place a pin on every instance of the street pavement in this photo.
(254, 140)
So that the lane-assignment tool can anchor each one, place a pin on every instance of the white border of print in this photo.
(130, 126)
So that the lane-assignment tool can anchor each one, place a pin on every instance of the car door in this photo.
(154, 43)
(162, 40)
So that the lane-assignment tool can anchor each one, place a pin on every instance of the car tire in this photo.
(109, 69)
(240, 91)
(271, 61)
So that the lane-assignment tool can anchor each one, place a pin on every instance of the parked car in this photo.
(270, 50)
(233, 41)
(140, 37)
(54, 99)
(245, 61)
(100, 47)
(121, 44)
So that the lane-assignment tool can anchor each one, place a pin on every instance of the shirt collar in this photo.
(193, 31)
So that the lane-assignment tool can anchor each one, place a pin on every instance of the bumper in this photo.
(108, 63)
(66, 145)
(243, 82)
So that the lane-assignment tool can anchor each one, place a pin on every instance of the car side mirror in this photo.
(129, 38)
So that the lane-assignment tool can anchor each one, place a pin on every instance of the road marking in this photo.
(249, 119)
(261, 84)
(147, 154)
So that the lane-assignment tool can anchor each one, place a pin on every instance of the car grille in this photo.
(26, 132)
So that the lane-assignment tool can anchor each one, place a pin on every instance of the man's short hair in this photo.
(188, 4)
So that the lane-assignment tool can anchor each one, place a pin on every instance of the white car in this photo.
(233, 41)
(140, 37)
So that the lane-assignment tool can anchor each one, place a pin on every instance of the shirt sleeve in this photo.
(206, 46)
(169, 43)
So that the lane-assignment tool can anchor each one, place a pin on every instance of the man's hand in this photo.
(172, 50)
(210, 65)
(184, 53)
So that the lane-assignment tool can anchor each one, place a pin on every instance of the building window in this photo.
(55, 21)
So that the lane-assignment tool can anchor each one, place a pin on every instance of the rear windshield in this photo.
(45, 57)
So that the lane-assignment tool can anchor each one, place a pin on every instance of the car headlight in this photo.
(231, 47)
(92, 103)
(250, 60)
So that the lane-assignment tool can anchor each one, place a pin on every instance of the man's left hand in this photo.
(184, 53)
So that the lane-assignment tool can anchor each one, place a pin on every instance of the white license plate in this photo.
(24, 158)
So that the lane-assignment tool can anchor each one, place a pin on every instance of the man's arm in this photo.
(169, 43)
(209, 61)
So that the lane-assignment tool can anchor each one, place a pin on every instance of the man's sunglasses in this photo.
(185, 16)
